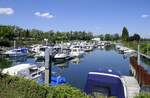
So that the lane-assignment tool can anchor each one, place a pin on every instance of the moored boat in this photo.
(17, 52)
(107, 83)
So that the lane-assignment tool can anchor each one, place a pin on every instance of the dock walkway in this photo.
(132, 86)
(148, 57)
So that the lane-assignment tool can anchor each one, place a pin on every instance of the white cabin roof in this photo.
(15, 69)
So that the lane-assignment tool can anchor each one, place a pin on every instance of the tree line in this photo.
(125, 36)
(9, 33)
(14, 32)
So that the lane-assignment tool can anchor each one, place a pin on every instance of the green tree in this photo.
(125, 34)
(108, 37)
(116, 36)
(136, 37)
(102, 37)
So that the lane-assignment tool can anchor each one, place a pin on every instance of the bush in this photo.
(15, 87)
(5, 43)
(4, 63)
(143, 95)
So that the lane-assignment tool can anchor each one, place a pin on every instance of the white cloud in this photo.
(44, 15)
(144, 16)
(6, 11)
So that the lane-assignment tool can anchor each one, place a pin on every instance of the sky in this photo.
(97, 16)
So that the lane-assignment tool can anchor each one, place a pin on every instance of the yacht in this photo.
(41, 52)
(29, 71)
(17, 52)
(60, 55)
(87, 48)
(76, 51)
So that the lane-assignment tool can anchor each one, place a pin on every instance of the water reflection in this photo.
(67, 71)
(101, 47)
(76, 60)
(145, 61)
(54, 78)
(109, 47)
(63, 65)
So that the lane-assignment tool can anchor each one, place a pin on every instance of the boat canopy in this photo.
(103, 82)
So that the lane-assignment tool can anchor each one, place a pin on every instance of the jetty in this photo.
(144, 55)
(132, 86)
(138, 71)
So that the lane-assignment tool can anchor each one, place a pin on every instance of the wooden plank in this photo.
(132, 86)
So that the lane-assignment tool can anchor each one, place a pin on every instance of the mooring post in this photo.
(48, 65)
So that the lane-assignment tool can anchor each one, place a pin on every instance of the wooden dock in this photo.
(132, 86)
(139, 72)
(146, 56)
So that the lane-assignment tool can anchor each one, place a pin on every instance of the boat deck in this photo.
(132, 86)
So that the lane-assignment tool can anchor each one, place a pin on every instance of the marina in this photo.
(73, 63)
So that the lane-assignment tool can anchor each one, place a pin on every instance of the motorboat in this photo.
(88, 48)
(106, 83)
(41, 51)
(26, 70)
(60, 55)
(17, 52)
(63, 54)
(76, 51)
(129, 51)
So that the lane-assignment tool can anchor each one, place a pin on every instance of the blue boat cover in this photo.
(55, 80)
(106, 82)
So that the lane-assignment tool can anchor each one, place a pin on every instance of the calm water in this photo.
(76, 70)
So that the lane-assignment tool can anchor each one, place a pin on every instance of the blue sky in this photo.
(97, 16)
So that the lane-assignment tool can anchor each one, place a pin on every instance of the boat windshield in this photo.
(42, 49)
(74, 50)
(18, 50)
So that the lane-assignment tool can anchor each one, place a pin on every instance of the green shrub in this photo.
(4, 63)
(15, 87)
(143, 95)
